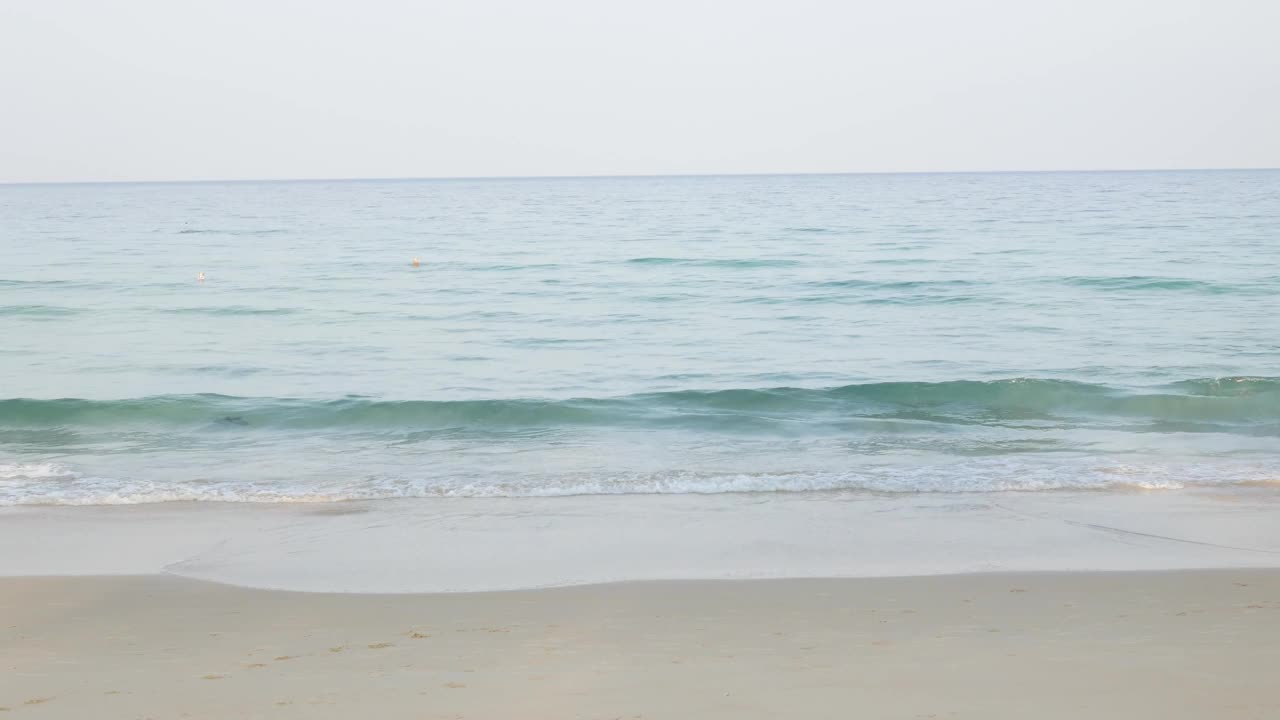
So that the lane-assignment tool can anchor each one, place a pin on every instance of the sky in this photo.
(240, 89)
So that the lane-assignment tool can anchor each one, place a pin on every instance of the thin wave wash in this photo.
(1105, 332)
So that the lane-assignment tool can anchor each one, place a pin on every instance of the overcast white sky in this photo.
(181, 89)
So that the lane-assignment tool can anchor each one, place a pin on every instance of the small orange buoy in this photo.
(415, 262)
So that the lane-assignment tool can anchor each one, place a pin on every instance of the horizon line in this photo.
(620, 176)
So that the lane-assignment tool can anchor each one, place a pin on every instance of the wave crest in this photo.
(1250, 404)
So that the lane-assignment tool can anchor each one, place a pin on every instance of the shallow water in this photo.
(902, 333)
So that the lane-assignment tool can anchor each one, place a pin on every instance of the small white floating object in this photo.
(200, 277)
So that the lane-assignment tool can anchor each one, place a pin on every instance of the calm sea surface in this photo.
(898, 333)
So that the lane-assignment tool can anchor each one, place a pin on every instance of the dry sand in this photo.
(1187, 644)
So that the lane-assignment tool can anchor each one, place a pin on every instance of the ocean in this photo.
(1115, 332)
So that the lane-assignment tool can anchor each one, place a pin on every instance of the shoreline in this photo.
(1002, 606)
(1166, 644)
(493, 544)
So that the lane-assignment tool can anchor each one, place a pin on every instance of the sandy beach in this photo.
(1186, 644)
(481, 544)
(1007, 606)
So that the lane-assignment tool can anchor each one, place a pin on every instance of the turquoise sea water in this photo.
(898, 333)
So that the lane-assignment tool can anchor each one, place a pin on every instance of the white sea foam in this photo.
(20, 472)
(54, 484)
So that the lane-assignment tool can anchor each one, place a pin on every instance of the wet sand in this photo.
(1169, 645)
(474, 544)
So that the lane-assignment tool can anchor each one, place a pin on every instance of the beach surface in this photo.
(1018, 605)
(489, 544)
(1182, 644)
